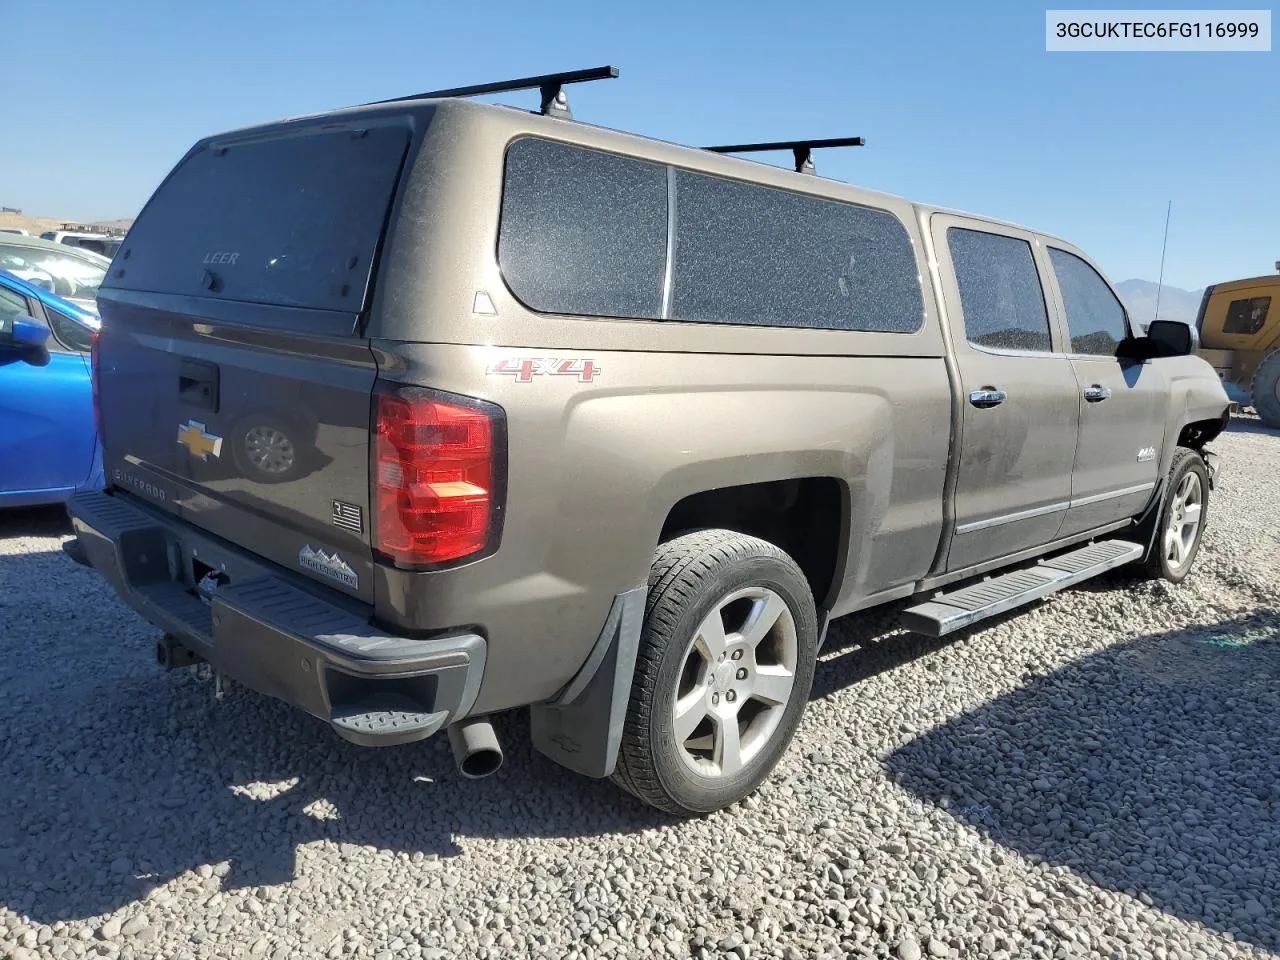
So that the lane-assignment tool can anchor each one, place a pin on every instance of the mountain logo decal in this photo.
(328, 565)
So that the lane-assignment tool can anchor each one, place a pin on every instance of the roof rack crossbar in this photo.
(802, 150)
(550, 85)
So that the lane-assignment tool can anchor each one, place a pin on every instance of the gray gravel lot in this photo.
(1098, 777)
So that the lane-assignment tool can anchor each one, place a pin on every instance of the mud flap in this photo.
(582, 728)
(1147, 526)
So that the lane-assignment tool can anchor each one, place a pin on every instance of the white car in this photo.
(101, 243)
(69, 272)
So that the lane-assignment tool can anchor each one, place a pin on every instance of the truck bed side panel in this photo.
(595, 468)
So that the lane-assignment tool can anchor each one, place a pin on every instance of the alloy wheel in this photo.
(735, 682)
(1184, 521)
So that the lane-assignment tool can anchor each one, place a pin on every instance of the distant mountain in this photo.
(1139, 298)
(12, 219)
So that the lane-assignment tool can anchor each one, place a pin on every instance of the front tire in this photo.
(1182, 518)
(723, 673)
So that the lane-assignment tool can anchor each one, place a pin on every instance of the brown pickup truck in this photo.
(424, 410)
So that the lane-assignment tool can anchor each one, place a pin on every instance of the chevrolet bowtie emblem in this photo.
(201, 444)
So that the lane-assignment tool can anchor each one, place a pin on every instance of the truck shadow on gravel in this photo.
(150, 778)
(116, 777)
(1149, 768)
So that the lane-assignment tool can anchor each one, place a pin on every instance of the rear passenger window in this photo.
(583, 232)
(1246, 316)
(1000, 292)
(1095, 317)
(750, 254)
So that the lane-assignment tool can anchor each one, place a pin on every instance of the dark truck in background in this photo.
(604, 427)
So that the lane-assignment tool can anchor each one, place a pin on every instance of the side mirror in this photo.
(1172, 338)
(23, 333)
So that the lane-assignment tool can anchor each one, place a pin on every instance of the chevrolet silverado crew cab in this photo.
(423, 410)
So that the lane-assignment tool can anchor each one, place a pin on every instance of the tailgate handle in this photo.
(198, 384)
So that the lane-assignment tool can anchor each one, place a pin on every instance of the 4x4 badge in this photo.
(198, 441)
(524, 369)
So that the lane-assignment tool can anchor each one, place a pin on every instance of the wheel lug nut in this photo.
(742, 673)
(737, 654)
(730, 696)
(720, 659)
(715, 699)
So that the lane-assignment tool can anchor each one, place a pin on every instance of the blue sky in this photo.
(961, 105)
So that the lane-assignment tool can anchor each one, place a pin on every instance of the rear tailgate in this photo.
(232, 386)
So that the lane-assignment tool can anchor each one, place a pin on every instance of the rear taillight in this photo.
(438, 476)
(93, 380)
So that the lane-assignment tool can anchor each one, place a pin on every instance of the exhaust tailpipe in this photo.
(172, 655)
(475, 748)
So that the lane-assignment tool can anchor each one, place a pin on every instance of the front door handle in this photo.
(1097, 393)
(988, 397)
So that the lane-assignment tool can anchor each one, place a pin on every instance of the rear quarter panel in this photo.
(594, 468)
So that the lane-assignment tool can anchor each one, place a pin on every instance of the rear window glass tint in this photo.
(583, 232)
(749, 254)
(1000, 293)
(1246, 316)
(293, 221)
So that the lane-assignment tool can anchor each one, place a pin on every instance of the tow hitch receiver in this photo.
(172, 655)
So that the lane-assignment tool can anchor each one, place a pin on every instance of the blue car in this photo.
(48, 440)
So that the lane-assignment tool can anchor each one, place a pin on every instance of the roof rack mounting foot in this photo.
(554, 101)
(802, 150)
(550, 85)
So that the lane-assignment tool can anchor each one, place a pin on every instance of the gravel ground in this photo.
(1097, 777)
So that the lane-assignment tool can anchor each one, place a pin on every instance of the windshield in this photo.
(74, 278)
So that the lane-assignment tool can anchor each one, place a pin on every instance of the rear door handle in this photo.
(988, 397)
(1097, 393)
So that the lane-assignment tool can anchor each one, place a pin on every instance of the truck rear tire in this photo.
(1180, 523)
(723, 673)
(1265, 390)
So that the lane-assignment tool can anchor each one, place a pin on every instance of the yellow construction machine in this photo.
(1239, 325)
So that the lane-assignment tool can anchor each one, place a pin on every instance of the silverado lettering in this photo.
(134, 482)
